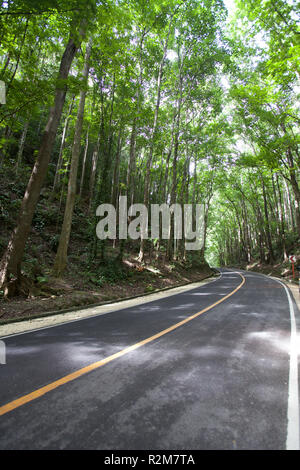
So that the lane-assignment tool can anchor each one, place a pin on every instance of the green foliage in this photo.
(111, 272)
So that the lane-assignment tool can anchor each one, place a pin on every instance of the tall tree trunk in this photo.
(61, 255)
(153, 135)
(13, 255)
(84, 161)
(115, 182)
(171, 245)
(282, 223)
(294, 181)
(165, 181)
(242, 233)
(132, 163)
(57, 176)
(267, 224)
(116, 173)
(246, 230)
(103, 194)
(289, 206)
(21, 146)
(95, 157)
(296, 190)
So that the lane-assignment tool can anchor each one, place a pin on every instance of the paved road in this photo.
(218, 381)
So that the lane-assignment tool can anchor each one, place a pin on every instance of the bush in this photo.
(110, 272)
(53, 242)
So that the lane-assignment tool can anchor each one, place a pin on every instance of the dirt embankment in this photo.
(59, 295)
(281, 270)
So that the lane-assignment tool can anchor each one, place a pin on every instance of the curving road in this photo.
(211, 368)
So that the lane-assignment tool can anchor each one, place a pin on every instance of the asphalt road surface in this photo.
(211, 368)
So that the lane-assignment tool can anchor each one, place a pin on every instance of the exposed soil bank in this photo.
(57, 295)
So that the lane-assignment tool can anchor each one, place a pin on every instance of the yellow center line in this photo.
(74, 375)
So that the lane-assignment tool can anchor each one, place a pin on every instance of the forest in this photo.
(161, 101)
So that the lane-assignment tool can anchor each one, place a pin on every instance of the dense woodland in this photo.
(157, 100)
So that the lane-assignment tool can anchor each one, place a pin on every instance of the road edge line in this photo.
(293, 437)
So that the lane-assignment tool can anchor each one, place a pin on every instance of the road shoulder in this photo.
(78, 314)
(293, 288)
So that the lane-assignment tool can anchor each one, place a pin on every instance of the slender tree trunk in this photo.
(21, 146)
(276, 210)
(294, 182)
(57, 176)
(282, 223)
(246, 231)
(84, 161)
(95, 157)
(116, 173)
(6, 64)
(171, 245)
(132, 163)
(242, 234)
(131, 170)
(115, 182)
(104, 181)
(267, 224)
(153, 135)
(296, 191)
(186, 201)
(61, 255)
(289, 206)
(165, 183)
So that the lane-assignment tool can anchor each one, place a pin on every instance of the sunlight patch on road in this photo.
(206, 293)
(274, 339)
(181, 307)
